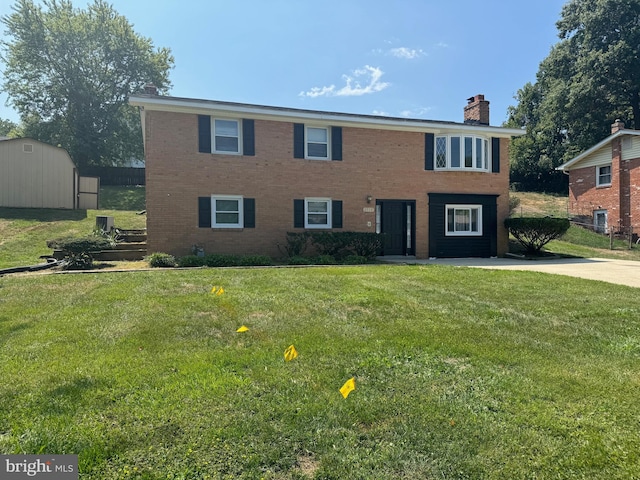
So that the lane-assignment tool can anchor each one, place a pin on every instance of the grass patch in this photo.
(25, 231)
(113, 197)
(460, 373)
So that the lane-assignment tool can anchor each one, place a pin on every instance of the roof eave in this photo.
(259, 112)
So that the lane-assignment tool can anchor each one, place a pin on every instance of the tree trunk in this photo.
(635, 107)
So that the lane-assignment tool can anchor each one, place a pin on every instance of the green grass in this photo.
(24, 231)
(122, 198)
(460, 373)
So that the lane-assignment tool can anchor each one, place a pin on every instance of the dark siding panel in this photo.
(249, 205)
(204, 212)
(443, 246)
(204, 134)
(298, 213)
(298, 140)
(495, 155)
(429, 140)
(336, 213)
(248, 137)
(336, 143)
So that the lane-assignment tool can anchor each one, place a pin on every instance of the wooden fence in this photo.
(116, 175)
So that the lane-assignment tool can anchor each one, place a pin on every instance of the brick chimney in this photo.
(616, 126)
(477, 111)
(150, 89)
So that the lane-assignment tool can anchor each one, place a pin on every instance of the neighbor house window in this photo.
(227, 211)
(226, 136)
(600, 221)
(462, 152)
(464, 220)
(317, 143)
(317, 213)
(603, 175)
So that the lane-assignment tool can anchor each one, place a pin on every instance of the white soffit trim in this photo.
(259, 112)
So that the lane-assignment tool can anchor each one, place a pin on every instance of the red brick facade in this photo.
(620, 199)
(377, 163)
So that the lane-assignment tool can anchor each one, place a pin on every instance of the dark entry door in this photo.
(397, 225)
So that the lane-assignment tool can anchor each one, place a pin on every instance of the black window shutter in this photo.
(429, 140)
(204, 133)
(336, 213)
(248, 137)
(298, 213)
(298, 140)
(336, 143)
(204, 212)
(249, 205)
(495, 155)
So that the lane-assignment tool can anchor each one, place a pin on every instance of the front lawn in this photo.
(460, 373)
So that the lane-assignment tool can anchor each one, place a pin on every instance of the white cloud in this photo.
(353, 84)
(442, 45)
(407, 53)
(381, 113)
(416, 112)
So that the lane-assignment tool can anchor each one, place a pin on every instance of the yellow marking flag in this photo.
(348, 386)
(242, 329)
(290, 353)
(217, 290)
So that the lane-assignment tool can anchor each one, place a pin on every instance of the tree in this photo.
(590, 79)
(7, 127)
(69, 72)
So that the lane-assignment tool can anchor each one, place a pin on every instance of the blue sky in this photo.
(402, 58)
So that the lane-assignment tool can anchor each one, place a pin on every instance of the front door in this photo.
(397, 225)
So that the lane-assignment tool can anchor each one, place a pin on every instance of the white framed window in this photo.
(317, 143)
(455, 152)
(600, 223)
(227, 211)
(226, 136)
(463, 220)
(317, 213)
(603, 175)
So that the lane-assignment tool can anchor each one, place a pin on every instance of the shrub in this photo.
(342, 244)
(160, 260)
(535, 232)
(221, 260)
(300, 260)
(256, 260)
(324, 260)
(191, 261)
(297, 243)
(366, 244)
(78, 251)
(355, 260)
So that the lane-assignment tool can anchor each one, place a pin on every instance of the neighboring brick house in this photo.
(604, 182)
(234, 178)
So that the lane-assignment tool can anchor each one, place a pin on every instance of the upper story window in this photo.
(317, 144)
(466, 152)
(464, 220)
(603, 175)
(226, 136)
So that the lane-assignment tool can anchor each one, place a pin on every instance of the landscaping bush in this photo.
(297, 243)
(221, 260)
(256, 260)
(366, 244)
(342, 244)
(160, 260)
(355, 260)
(78, 251)
(535, 232)
(324, 260)
(191, 261)
(300, 260)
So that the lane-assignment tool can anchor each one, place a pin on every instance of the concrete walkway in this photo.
(622, 272)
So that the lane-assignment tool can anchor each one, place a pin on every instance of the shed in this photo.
(34, 174)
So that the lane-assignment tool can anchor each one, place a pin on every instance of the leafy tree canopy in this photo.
(69, 72)
(7, 127)
(590, 78)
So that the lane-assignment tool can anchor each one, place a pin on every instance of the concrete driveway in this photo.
(622, 272)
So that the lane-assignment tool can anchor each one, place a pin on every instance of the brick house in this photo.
(604, 182)
(234, 178)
